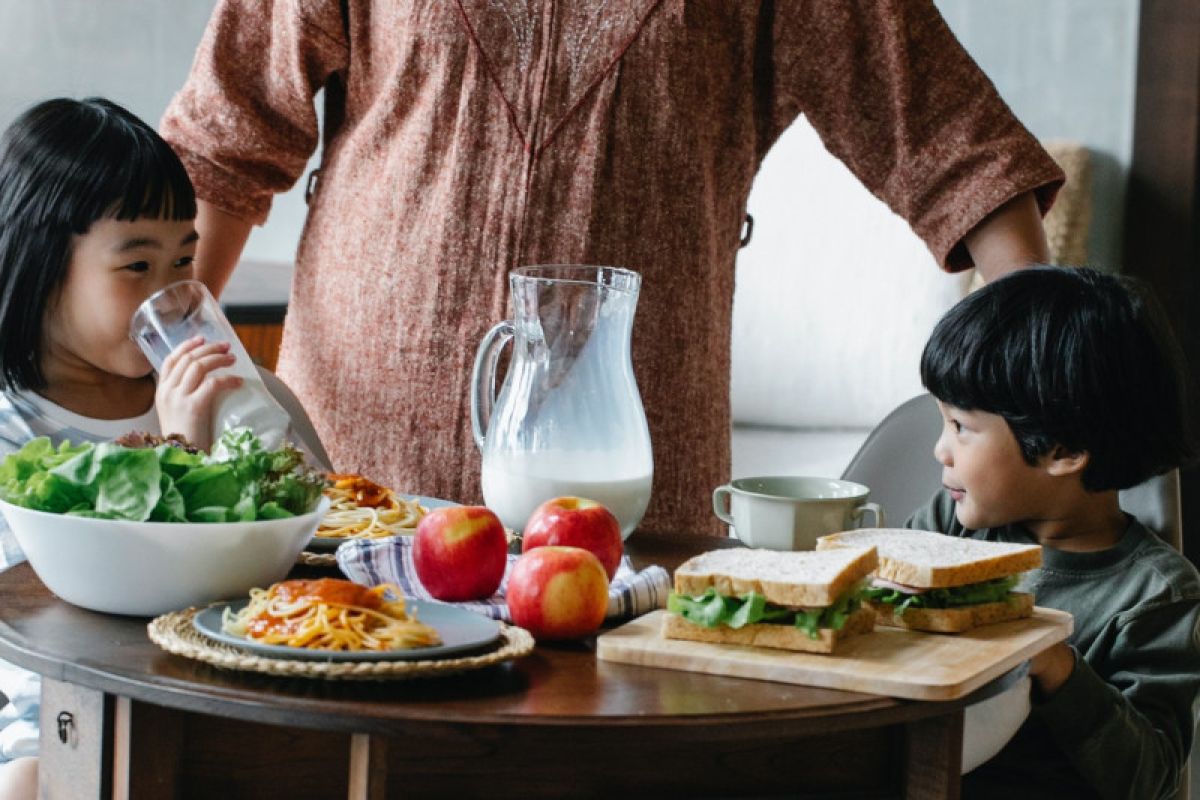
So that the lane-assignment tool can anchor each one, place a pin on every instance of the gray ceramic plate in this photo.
(461, 631)
(328, 545)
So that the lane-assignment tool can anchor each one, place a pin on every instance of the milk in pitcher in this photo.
(514, 484)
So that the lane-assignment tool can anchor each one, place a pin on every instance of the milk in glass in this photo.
(185, 310)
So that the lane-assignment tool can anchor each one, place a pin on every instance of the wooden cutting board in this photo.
(889, 661)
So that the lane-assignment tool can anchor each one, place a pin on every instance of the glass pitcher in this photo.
(569, 418)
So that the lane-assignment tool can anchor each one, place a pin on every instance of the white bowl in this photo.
(1000, 708)
(148, 568)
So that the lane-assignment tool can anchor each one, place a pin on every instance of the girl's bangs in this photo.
(155, 186)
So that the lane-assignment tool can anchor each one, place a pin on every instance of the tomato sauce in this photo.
(367, 493)
(328, 590)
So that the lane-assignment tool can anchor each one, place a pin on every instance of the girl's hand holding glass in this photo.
(185, 335)
(189, 384)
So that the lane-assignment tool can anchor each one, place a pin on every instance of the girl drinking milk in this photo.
(96, 214)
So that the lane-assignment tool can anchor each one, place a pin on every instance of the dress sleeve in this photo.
(1125, 720)
(894, 95)
(245, 124)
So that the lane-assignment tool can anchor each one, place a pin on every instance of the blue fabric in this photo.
(389, 560)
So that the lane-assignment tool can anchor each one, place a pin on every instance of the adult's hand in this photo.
(1009, 238)
(222, 239)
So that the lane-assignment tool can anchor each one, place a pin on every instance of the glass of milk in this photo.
(170, 317)
(568, 419)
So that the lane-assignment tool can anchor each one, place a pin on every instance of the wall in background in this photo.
(835, 294)
(1068, 69)
(135, 52)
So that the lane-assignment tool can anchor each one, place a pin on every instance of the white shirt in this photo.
(58, 423)
(25, 415)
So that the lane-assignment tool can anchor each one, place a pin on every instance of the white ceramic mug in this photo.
(789, 513)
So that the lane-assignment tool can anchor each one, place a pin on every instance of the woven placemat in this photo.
(175, 633)
(310, 559)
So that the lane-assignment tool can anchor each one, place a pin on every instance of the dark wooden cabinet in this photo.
(261, 340)
(1162, 214)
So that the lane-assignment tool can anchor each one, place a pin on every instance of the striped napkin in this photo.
(375, 561)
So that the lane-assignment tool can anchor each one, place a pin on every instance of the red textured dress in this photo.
(467, 137)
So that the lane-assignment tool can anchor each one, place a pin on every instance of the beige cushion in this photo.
(1068, 220)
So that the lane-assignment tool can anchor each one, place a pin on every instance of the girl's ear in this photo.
(1061, 462)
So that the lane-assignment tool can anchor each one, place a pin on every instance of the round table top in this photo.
(559, 684)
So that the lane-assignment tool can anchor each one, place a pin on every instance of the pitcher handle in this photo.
(858, 513)
(483, 378)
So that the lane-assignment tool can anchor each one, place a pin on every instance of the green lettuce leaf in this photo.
(712, 610)
(175, 461)
(971, 594)
(36, 458)
(273, 510)
(209, 485)
(109, 479)
(48, 492)
(129, 482)
(171, 507)
(240, 481)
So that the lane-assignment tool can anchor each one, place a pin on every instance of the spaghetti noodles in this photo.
(329, 614)
(362, 509)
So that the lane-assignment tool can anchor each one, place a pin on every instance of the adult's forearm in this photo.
(1009, 238)
(222, 239)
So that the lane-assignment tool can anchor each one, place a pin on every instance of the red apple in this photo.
(558, 592)
(460, 553)
(576, 522)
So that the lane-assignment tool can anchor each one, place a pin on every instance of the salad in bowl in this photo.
(159, 526)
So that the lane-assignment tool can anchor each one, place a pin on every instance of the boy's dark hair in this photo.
(1070, 357)
(64, 164)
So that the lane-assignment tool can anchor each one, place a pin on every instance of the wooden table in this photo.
(122, 718)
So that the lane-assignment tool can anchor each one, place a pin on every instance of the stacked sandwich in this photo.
(789, 600)
(931, 582)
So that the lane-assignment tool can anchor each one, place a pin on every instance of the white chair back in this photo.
(896, 460)
(302, 426)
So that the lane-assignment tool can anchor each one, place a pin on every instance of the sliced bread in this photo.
(780, 637)
(929, 560)
(954, 620)
(799, 579)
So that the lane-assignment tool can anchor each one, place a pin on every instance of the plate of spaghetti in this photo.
(329, 619)
(360, 508)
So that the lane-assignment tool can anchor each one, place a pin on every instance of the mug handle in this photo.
(721, 507)
(858, 513)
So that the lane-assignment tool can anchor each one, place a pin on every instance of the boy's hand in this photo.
(188, 388)
(1051, 668)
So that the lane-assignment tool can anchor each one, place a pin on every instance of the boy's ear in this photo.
(1061, 462)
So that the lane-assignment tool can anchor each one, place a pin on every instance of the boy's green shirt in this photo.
(1121, 726)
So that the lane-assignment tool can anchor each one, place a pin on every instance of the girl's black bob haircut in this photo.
(1075, 358)
(64, 164)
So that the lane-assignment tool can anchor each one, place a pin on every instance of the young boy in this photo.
(1060, 387)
